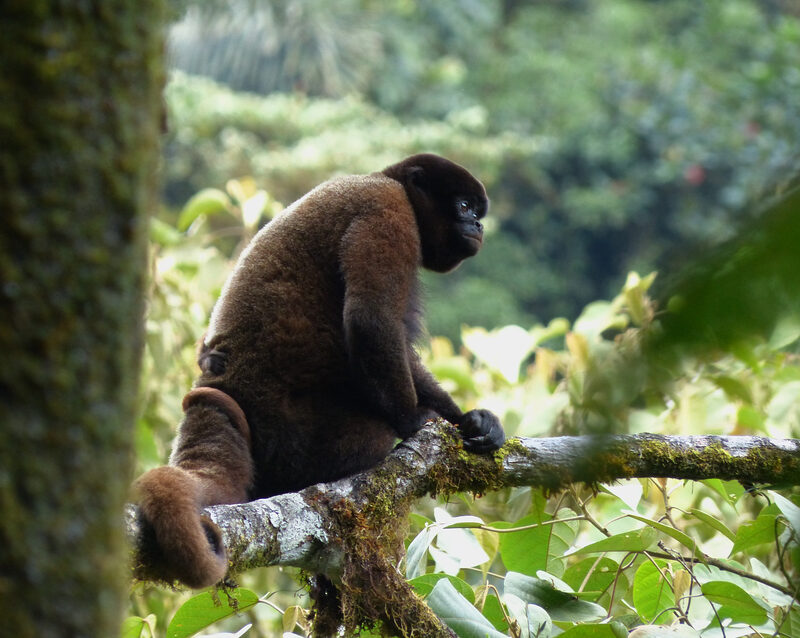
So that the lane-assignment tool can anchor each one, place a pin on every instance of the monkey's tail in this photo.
(190, 546)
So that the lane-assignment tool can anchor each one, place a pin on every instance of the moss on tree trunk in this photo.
(79, 117)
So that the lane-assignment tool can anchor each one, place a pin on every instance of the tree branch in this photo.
(298, 529)
(345, 528)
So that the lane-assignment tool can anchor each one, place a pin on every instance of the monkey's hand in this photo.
(481, 431)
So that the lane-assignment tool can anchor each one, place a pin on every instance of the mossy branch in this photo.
(339, 528)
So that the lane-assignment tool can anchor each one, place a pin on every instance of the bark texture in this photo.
(80, 111)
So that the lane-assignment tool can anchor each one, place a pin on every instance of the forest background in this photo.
(614, 137)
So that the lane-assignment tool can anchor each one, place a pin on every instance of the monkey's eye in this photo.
(463, 205)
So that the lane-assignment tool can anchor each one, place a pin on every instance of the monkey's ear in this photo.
(416, 176)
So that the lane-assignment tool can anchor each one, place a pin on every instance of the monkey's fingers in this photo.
(481, 445)
(481, 431)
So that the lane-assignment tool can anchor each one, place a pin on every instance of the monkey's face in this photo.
(451, 229)
(467, 227)
(449, 204)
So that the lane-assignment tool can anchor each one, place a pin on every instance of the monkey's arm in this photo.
(379, 259)
(430, 394)
(481, 429)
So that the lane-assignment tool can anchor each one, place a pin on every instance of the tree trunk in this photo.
(80, 110)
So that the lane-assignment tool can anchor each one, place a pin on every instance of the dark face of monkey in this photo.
(449, 204)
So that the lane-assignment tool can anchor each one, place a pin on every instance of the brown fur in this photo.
(217, 398)
(309, 372)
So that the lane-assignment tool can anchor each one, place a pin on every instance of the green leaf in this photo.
(714, 522)
(536, 548)
(791, 626)
(618, 628)
(557, 327)
(208, 201)
(534, 621)
(707, 573)
(786, 332)
(540, 625)
(735, 602)
(560, 605)
(503, 350)
(629, 492)
(459, 614)
(292, 616)
(205, 609)
(163, 234)
(790, 511)
(751, 418)
(539, 505)
(455, 369)
(784, 402)
(424, 585)
(635, 295)
(660, 631)
(683, 538)
(489, 542)
(417, 552)
(525, 551)
(561, 540)
(136, 627)
(493, 611)
(456, 548)
(731, 491)
(594, 574)
(652, 593)
(598, 317)
(419, 520)
(455, 545)
(734, 388)
(744, 351)
(757, 532)
(636, 541)
(589, 631)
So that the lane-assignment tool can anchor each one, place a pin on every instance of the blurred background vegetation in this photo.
(614, 137)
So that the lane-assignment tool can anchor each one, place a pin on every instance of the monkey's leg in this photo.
(211, 464)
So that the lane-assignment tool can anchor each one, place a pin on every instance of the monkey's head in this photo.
(448, 203)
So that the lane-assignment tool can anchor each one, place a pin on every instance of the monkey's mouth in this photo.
(471, 244)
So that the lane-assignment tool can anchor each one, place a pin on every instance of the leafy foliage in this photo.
(612, 136)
